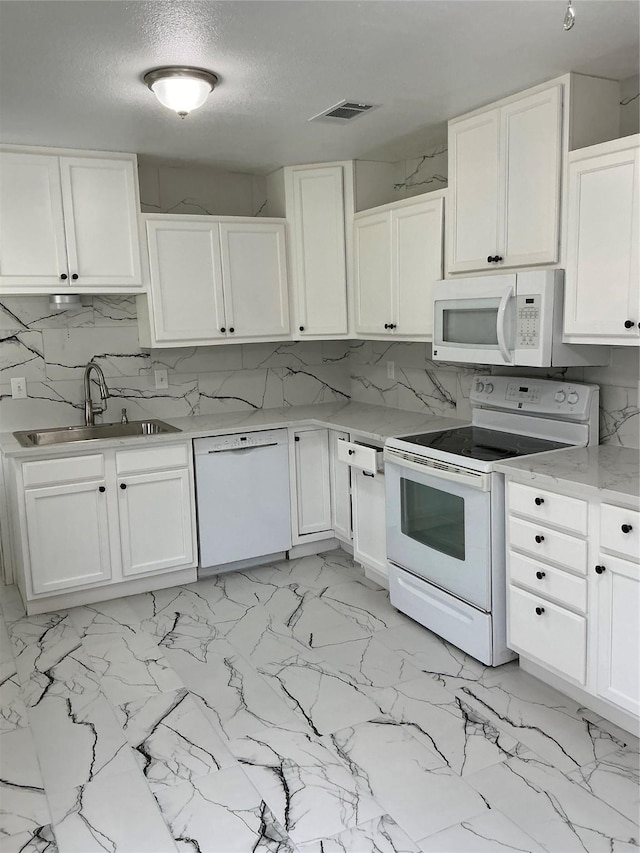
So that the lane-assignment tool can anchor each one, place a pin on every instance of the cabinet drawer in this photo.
(153, 458)
(548, 545)
(549, 582)
(620, 530)
(360, 455)
(554, 636)
(68, 469)
(559, 510)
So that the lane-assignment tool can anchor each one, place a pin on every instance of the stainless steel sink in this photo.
(61, 435)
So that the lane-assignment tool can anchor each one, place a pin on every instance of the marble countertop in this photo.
(376, 423)
(607, 471)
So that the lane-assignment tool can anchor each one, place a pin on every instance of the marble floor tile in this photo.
(558, 812)
(381, 835)
(76, 740)
(365, 604)
(40, 643)
(114, 618)
(23, 804)
(367, 662)
(490, 832)
(614, 779)
(309, 789)
(109, 813)
(315, 572)
(410, 782)
(41, 840)
(464, 739)
(130, 668)
(548, 722)
(172, 739)
(221, 813)
(13, 713)
(234, 697)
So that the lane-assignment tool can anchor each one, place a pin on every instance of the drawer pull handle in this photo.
(540, 575)
(539, 501)
(367, 474)
(539, 610)
(351, 452)
(626, 528)
(600, 569)
(539, 538)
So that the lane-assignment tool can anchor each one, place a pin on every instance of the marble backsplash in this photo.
(51, 349)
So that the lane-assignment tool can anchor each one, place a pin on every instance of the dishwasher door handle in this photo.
(242, 449)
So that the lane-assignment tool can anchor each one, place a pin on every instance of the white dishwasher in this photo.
(242, 498)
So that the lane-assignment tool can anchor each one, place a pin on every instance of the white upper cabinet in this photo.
(505, 171)
(504, 180)
(215, 280)
(68, 222)
(398, 257)
(602, 283)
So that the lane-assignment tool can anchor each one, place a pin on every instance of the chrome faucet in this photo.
(90, 411)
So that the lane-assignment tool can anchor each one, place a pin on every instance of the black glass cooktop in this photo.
(487, 445)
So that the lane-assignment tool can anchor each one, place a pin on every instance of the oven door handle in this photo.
(501, 322)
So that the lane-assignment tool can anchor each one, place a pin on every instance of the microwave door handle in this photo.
(502, 313)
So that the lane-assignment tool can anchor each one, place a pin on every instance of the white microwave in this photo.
(512, 319)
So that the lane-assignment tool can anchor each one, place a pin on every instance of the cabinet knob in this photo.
(102, 488)
(123, 485)
(498, 258)
(489, 259)
(626, 528)
(231, 329)
(540, 575)
(75, 276)
(629, 324)
(539, 610)
(63, 276)
(222, 329)
(600, 570)
(297, 438)
(539, 501)
(351, 452)
(392, 325)
(539, 538)
(386, 325)
(301, 328)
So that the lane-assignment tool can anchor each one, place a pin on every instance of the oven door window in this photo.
(433, 518)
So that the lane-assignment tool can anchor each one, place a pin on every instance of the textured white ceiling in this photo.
(70, 72)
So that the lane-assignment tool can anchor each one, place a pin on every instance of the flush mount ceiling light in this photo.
(181, 88)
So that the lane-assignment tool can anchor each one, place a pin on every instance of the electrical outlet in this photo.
(162, 379)
(19, 388)
(391, 370)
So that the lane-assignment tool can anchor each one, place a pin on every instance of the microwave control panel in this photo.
(528, 320)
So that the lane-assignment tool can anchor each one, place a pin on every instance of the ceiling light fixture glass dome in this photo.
(180, 88)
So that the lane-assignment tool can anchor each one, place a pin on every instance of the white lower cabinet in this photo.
(573, 605)
(311, 489)
(102, 519)
(340, 477)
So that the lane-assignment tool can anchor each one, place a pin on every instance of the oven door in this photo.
(439, 528)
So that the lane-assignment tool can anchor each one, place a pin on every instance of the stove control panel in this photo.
(565, 400)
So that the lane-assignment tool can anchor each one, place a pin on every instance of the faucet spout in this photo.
(90, 410)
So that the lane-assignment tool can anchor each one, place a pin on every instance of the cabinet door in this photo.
(373, 272)
(417, 264)
(618, 633)
(155, 521)
(186, 281)
(313, 490)
(32, 247)
(369, 521)
(320, 271)
(531, 130)
(254, 276)
(68, 536)
(101, 222)
(473, 191)
(340, 489)
(602, 289)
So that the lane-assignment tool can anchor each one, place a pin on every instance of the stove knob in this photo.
(488, 387)
(560, 397)
(479, 386)
(573, 397)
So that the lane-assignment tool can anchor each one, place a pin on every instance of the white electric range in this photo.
(445, 505)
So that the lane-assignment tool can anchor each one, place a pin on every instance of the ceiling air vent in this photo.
(344, 111)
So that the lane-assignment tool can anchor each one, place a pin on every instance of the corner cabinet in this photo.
(602, 279)
(69, 222)
(505, 171)
(87, 527)
(214, 280)
(398, 257)
(573, 613)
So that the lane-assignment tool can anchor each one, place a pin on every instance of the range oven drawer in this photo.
(360, 455)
